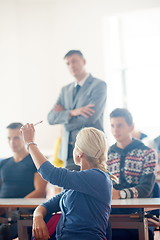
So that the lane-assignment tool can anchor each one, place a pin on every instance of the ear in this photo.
(80, 155)
(84, 60)
(131, 128)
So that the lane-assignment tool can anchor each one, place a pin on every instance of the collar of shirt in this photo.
(82, 81)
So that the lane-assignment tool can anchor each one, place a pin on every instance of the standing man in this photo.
(134, 165)
(80, 104)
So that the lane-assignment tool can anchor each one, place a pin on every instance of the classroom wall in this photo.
(34, 36)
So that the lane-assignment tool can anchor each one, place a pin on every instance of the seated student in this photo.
(138, 135)
(131, 161)
(18, 175)
(85, 202)
(156, 145)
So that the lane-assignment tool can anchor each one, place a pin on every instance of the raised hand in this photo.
(28, 132)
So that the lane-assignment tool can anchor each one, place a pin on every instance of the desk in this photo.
(22, 203)
(134, 221)
(137, 222)
(144, 203)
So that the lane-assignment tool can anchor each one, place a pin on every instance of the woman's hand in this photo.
(28, 132)
(39, 229)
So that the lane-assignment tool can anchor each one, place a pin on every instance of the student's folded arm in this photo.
(98, 98)
(145, 187)
(147, 180)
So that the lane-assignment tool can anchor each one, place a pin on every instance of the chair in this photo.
(153, 216)
(139, 220)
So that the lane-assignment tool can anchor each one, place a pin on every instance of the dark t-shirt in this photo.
(16, 178)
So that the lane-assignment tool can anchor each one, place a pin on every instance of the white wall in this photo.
(34, 36)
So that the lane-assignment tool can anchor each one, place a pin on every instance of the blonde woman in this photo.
(85, 204)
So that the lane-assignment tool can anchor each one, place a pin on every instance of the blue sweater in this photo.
(85, 203)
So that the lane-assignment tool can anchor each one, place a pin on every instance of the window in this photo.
(132, 50)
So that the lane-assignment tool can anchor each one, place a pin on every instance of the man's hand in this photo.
(58, 108)
(115, 194)
(85, 111)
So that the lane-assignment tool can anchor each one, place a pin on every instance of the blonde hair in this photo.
(92, 142)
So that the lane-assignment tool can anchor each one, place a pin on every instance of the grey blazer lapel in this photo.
(70, 94)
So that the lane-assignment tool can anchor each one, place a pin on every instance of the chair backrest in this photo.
(52, 223)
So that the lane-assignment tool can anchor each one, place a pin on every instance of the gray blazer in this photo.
(93, 91)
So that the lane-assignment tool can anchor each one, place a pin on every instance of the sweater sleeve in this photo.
(146, 184)
(52, 205)
(87, 181)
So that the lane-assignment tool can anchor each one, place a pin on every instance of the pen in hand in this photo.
(38, 123)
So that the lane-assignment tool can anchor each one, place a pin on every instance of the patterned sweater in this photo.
(135, 167)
